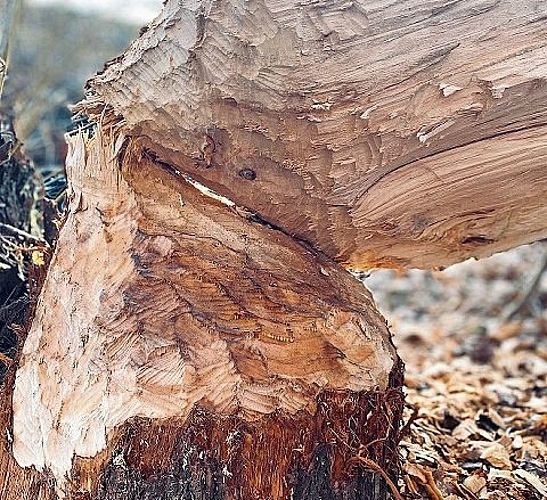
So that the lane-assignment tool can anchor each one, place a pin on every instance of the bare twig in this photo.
(530, 292)
(405, 430)
(372, 465)
(431, 486)
(21, 233)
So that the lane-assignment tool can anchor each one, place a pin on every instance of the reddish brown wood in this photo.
(171, 323)
(303, 456)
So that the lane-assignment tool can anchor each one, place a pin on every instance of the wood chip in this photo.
(533, 481)
(474, 483)
(467, 410)
(517, 442)
(498, 456)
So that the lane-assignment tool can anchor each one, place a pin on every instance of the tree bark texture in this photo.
(197, 335)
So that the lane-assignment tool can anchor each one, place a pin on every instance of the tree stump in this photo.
(202, 352)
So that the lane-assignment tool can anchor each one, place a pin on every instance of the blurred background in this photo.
(55, 46)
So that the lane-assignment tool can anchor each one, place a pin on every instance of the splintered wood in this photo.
(335, 135)
(385, 134)
(159, 298)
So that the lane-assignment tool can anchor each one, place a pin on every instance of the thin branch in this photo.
(431, 486)
(405, 430)
(372, 465)
(530, 292)
(23, 234)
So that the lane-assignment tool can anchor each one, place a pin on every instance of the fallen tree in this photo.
(197, 335)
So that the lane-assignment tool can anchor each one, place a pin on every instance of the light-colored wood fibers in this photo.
(344, 133)
(159, 298)
(386, 133)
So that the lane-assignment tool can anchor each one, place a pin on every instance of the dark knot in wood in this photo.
(247, 174)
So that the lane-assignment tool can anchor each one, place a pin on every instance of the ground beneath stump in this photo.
(476, 379)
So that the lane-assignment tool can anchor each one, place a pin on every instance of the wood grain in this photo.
(160, 299)
(385, 134)
(359, 134)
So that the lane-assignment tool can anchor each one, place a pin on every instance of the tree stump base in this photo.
(301, 457)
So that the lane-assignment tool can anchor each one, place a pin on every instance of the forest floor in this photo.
(476, 377)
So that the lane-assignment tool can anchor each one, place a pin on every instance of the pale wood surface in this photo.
(394, 134)
(160, 298)
(385, 133)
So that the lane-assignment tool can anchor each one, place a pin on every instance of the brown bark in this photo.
(302, 456)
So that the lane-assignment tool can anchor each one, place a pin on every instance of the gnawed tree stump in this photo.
(203, 346)
(265, 364)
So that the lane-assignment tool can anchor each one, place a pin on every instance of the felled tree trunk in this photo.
(199, 344)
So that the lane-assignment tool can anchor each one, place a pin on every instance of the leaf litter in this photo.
(476, 376)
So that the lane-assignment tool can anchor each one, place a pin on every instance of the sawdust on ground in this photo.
(476, 376)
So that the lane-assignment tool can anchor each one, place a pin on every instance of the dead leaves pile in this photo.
(476, 383)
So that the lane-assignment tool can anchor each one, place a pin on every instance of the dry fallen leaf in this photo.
(498, 456)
